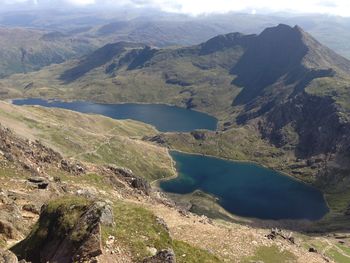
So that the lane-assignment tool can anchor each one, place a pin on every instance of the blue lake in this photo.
(163, 117)
(246, 189)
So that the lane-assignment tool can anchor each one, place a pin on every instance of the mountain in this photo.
(80, 187)
(286, 54)
(282, 56)
(281, 90)
(55, 35)
(24, 50)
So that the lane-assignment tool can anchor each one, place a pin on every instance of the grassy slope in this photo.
(91, 138)
(134, 221)
(137, 229)
(25, 50)
(211, 89)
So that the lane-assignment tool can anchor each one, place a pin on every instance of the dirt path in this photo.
(331, 245)
(108, 137)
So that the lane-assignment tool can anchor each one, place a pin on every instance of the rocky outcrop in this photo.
(69, 230)
(35, 157)
(72, 167)
(11, 220)
(198, 135)
(7, 256)
(159, 138)
(163, 256)
(31, 155)
(133, 180)
(315, 130)
(222, 42)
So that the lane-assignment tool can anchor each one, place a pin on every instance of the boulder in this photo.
(69, 230)
(163, 256)
(198, 135)
(313, 250)
(133, 180)
(72, 167)
(36, 179)
(40, 182)
(7, 256)
(8, 230)
(31, 208)
(141, 184)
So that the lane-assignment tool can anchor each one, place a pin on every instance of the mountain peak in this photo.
(284, 53)
(221, 42)
(283, 31)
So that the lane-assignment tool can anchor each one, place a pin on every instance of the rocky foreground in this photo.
(54, 209)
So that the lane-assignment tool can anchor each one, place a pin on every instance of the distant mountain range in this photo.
(57, 35)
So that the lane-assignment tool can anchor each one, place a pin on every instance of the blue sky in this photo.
(195, 7)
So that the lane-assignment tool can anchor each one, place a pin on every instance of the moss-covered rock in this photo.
(68, 230)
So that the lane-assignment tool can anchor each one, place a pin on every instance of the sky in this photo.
(196, 7)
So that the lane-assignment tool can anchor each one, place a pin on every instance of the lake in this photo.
(164, 117)
(246, 189)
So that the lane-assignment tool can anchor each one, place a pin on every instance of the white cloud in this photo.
(81, 2)
(335, 7)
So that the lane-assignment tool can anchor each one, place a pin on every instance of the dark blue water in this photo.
(246, 189)
(163, 117)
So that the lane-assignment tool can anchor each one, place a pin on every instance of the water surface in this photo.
(243, 189)
(163, 117)
(246, 189)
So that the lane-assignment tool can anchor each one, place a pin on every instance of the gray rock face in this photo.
(163, 256)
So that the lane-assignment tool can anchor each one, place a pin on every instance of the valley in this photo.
(285, 112)
(159, 137)
(75, 186)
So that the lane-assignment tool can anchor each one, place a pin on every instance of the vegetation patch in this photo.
(186, 253)
(271, 255)
(139, 229)
(56, 222)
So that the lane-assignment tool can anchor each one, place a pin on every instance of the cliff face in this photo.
(314, 129)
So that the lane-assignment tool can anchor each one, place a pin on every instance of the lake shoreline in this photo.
(176, 173)
(116, 103)
(198, 174)
(155, 114)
